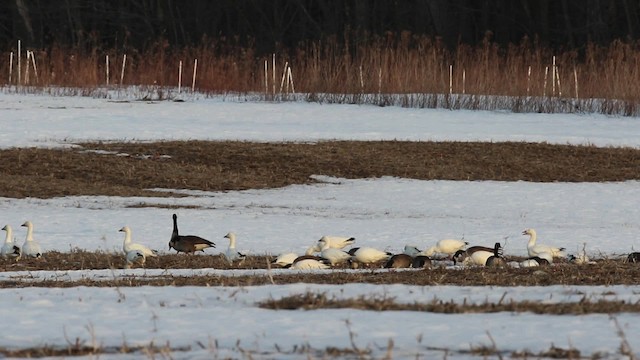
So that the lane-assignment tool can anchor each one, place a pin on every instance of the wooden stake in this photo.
(575, 78)
(528, 79)
(450, 79)
(193, 81)
(290, 76)
(10, 68)
(361, 80)
(274, 74)
(26, 73)
(558, 79)
(266, 77)
(553, 77)
(124, 65)
(107, 68)
(19, 62)
(464, 78)
(35, 68)
(179, 76)
(544, 84)
(284, 74)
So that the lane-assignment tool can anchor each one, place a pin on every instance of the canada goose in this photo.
(128, 245)
(336, 242)
(134, 257)
(634, 257)
(30, 248)
(536, 249)
(9, 249)
(421, 261)
(187, 243)
(232, 254)
(333, 255)
(445, 246)
(399, 261)
(496, 260)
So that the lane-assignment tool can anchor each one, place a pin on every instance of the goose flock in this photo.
(328, 252)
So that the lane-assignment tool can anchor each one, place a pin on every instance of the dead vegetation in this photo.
(233, 165)
(604, 272)
(314, 301)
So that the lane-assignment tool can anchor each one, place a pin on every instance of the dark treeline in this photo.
(266, 25)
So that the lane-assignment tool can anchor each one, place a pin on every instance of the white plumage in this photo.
(309, 264)
(411, 250)
(536, 249)
(128, 245)
(30, 248)
(285, 259)
(134, 257)
(232, 254)
(368, 255)
(9, 249)
(333, 255)
(540, 259)
(336, 242)
(475, 256)
(445, 246)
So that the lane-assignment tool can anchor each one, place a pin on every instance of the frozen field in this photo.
(386, 213)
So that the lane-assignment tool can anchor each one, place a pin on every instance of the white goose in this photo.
(308, 264)
(9, 249)
(134, 257)
(129, 245)
(336, 242)
(30, 248)
(536, 249)
(475, 255)
(333, 255)
(445, 246)
(285, 259)
(539, 260)
(368, 255)
(232, 254)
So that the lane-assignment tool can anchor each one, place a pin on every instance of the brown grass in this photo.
(314, 301)
(230, 165)
(605, 272)
(396, 64)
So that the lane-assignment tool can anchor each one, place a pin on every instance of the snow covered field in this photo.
(386, 213)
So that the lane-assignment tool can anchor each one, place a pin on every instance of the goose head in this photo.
(529, 232)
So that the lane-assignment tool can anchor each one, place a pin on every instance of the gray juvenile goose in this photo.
(187, 243)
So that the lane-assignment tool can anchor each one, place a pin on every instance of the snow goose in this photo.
(536, 249)
(285, 259)
(368, 255)
(232, 254)
(336, 242)
(309, 264)
(496, 260)
(582, 257)
(187, 243)
(30, 248)
(540, 260)
(333, 255)
(475, 255)
(134, 257)
(411, 250)
(445, 246)
(9, 249)
(128, 245)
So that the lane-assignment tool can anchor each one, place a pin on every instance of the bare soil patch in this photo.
(131, 169)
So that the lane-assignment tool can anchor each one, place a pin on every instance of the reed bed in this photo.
(400, 69)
